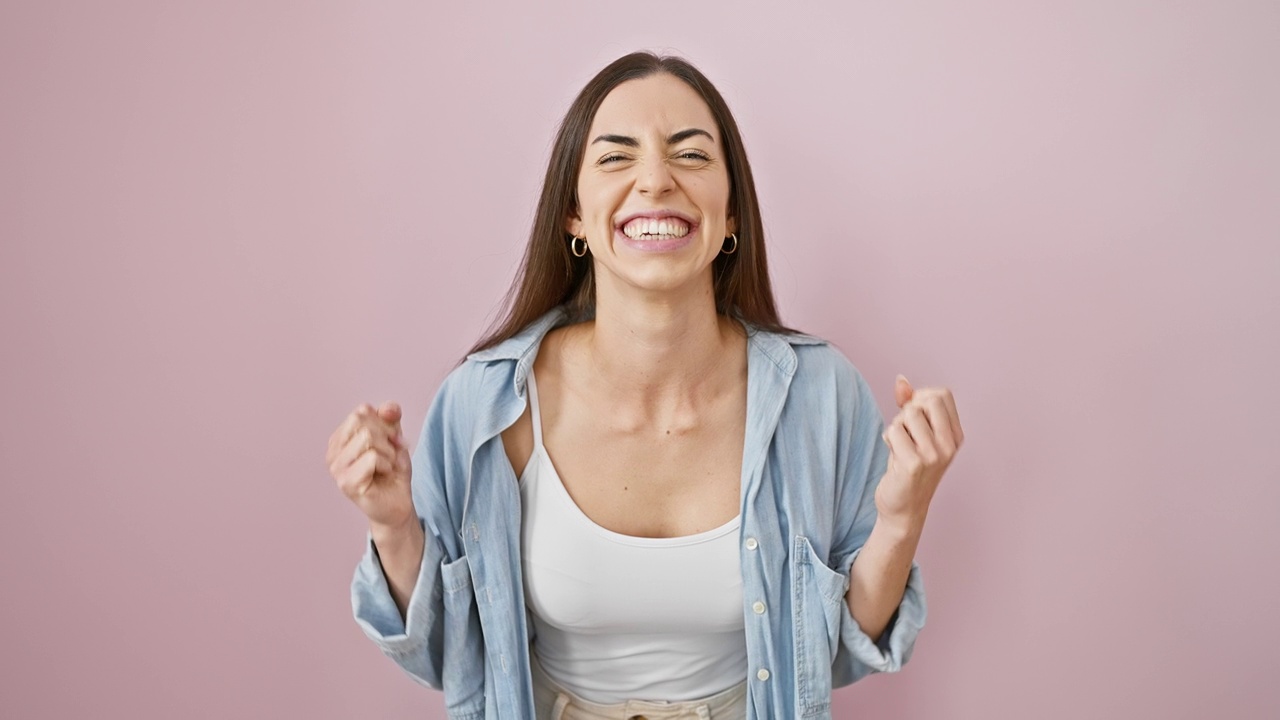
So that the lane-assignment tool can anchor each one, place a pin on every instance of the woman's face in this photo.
(653, 190)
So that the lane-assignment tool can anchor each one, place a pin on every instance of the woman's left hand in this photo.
(922, 439)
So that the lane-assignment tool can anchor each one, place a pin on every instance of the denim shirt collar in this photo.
(522, 347)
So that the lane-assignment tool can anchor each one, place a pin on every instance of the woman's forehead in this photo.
(661, 103)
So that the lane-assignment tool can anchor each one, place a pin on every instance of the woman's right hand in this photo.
(368, 458)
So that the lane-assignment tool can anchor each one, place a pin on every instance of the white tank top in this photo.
(619, 617)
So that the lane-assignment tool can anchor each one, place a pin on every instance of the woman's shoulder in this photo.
(824, 367)
(813, 354)
(473, 388)
(816, 355)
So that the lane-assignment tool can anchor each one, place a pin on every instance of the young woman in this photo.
(642, 495)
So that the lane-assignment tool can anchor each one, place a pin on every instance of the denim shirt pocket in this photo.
(463, 663)
(817, 595)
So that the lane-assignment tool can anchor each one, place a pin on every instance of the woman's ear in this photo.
(732, 225)
(573, 225)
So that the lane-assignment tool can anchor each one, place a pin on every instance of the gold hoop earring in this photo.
(573, 246)
(730, 249)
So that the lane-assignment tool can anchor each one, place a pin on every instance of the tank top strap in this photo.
(535, 415)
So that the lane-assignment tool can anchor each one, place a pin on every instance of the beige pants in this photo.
(552, 702)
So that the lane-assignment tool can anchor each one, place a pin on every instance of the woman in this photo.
(642, 496)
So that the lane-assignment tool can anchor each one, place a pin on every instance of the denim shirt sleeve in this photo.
(416, 643)
(865, 458)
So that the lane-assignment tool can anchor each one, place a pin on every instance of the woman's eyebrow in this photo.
(632, 142)
(686, 134)
(617, 140)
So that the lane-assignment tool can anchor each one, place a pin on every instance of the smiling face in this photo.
(653, 189)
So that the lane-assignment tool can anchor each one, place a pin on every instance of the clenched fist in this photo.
(368, 458)
(922, 439)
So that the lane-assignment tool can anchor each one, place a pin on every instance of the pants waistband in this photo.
(558, 703)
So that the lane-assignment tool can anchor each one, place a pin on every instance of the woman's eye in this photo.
(694, 155)
(611, 158)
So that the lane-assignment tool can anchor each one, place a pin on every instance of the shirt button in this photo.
(763, 674)
(759, 608)
(752, 544)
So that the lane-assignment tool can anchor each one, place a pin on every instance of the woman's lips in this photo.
(656, 230)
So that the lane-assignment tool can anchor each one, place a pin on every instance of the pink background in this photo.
(225, 224)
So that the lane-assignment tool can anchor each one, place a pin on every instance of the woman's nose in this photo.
(655, 179)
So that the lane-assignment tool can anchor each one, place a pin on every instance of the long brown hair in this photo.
(550, 275)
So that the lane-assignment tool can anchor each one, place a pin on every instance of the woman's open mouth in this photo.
(656, 232)
(650, 229)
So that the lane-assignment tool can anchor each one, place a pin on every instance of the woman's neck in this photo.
(662, 349)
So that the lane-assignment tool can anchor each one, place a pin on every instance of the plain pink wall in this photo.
(225, 224)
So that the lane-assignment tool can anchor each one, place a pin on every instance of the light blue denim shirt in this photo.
(811, 462)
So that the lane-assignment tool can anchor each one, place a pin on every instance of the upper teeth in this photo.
(648, 226)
